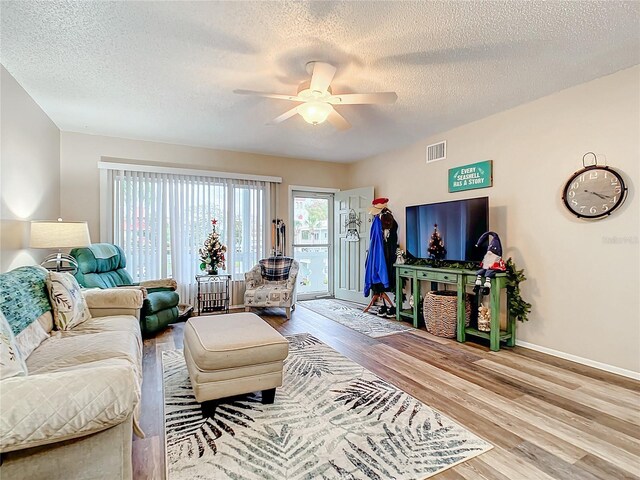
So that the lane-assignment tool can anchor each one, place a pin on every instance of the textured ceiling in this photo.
(165, 71)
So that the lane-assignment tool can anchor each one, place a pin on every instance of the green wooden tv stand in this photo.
(462, 279)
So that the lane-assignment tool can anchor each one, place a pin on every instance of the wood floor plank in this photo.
(600, 415)
(145, 455)
(591, 444)
(468, 472)
(627, 414)
(550, 464)
(451, 474)
(467, 370)
(614, 437)
(588, 383)
(513, 466)
(485, 471)
(546, 417)
(579, 369)
(617, 396)
(605, 470)
(527, 366)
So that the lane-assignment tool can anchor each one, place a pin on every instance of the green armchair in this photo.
(102, 265)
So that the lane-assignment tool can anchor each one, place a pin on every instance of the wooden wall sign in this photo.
(470, 177)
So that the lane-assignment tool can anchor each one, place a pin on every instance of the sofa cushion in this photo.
(69, 306)
(11, 360)
(158, 301)
(43, 409)
(129, 297)
(114, 323)
(275, 268)
(23, 296)
(66, 350)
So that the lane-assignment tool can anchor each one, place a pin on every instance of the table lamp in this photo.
(59, 235)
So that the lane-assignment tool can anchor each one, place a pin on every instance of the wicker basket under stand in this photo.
(440, 310)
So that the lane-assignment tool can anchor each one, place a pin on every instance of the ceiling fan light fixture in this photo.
(316, 99)
(315, 112)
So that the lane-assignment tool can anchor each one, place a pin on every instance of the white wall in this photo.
(583, 277)
(29, 172)
(80, 153)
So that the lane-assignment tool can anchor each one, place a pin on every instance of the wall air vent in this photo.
(437, 151)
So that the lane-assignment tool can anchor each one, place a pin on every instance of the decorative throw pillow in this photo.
(69, 306)
(275, 268)
(11, 361)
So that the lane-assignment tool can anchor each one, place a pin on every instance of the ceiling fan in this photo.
(317, 101)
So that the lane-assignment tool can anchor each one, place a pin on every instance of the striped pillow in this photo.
(275, 269)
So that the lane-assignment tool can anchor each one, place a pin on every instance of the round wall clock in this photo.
(594, 192)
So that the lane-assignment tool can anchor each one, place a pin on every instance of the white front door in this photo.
(313, 243)
(351, 249)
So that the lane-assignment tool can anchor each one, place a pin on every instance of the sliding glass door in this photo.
(313, 243)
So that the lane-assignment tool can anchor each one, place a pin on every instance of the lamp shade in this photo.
(315, 112)
(59, 235)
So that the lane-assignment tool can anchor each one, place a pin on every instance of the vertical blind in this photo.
(160, 221)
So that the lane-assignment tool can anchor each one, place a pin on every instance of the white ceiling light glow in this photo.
(315, 112)
(318, 98)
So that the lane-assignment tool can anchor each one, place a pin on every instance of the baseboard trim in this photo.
(581, 360)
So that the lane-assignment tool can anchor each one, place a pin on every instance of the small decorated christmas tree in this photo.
(436, 245)
(212, 254)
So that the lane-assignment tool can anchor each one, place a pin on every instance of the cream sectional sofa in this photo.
(73, 414)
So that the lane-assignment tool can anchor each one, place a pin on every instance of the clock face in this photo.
(594, 192)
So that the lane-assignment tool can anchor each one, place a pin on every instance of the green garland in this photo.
(433, 263)
(518, 308)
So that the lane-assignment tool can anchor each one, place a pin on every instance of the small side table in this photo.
(213, 293)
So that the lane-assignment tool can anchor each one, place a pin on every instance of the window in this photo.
(161, 220)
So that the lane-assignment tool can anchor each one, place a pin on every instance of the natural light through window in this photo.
(160, 220)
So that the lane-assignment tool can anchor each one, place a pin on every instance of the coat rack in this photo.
(379, 209)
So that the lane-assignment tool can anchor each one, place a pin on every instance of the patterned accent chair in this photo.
(102, 265)
(272, 283)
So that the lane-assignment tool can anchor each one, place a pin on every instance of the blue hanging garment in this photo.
(375, 265)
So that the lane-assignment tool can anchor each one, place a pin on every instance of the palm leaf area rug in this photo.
(332, 419)
(351, 315)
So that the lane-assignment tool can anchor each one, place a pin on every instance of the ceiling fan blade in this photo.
(286, 115)
(269, 95)
(363, 98)
(322, 75)
(338, 121)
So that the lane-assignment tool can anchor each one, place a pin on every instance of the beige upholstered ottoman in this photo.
(233, 354)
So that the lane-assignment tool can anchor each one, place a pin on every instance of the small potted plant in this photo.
(212, 254)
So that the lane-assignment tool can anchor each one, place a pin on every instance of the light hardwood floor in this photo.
(546, 417)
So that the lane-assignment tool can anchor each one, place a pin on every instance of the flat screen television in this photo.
(460, 223)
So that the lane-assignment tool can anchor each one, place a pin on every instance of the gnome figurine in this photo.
(492, 263)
